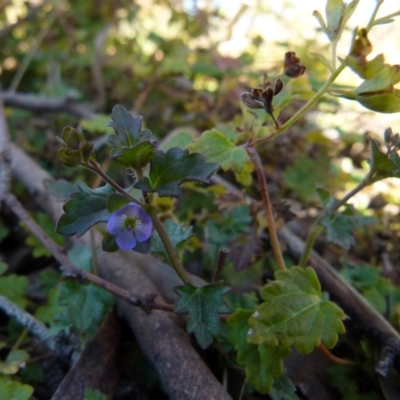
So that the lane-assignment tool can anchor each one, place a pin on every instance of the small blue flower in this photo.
(130, 225)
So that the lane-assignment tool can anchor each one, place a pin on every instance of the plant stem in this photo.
(255, 159)
(316, 229)
(305, 108)
(313, 233)
(333, 358)
(372, 19)
(169, 247)
(96, 169)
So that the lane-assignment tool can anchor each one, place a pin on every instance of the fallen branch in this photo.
(36, 103)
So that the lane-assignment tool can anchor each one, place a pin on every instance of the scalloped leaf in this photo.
(86, 208)
(169, 170)
(262, 364)
(339, 229)
(127, 127)
(203, 304)
(293, 312)
(217, 148)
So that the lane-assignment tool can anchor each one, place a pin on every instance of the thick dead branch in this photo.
(36, 103)
(183, 373)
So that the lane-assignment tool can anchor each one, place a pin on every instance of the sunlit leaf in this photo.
(293, 312)
(262, 364)
(217, 148)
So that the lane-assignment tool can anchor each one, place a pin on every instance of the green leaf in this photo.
(283, 389)
(137, 156)
(339, 229)
(176, 233)
(203, 304)
(47, 224)
(320, 57)
(81, 256)
(178, 139)
(217, 148)
(262, 364)
(14, 287)
(61, 189)
(91, 394)
(85, 209)
(13, 390)
(127, 127)
(334, 14)
(169, 170)
(293, 312)
(85, 304)
(382, 165)
(98, 124)
(16, 359)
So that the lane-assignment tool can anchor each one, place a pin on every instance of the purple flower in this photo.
(130, 224)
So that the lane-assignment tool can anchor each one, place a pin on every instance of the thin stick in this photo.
(222, 254)
(255, 159)
(5, 154)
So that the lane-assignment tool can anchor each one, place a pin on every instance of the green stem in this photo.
(305, 108)
(169, 247)
(372, 19)
(313, 233)
(255, 159)
(96, 169)
(316, 229)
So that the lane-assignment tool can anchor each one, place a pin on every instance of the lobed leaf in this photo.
(169, 170)
(217, 148)
(203, 304)
(86, 208)
(127, 127)
(293, 312)
(339, 229)
(262, 364)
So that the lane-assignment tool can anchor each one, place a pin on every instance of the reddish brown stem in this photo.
(255, 159)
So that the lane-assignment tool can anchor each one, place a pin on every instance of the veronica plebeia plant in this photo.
(293, 311)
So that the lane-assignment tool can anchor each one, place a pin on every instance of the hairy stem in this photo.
(255, 159)
(169, 247)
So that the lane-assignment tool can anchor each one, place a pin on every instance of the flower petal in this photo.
(126, 240)
(115, 222)
(143, 232)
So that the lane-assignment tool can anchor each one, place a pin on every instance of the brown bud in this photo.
(292, 66)
(248, 101)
